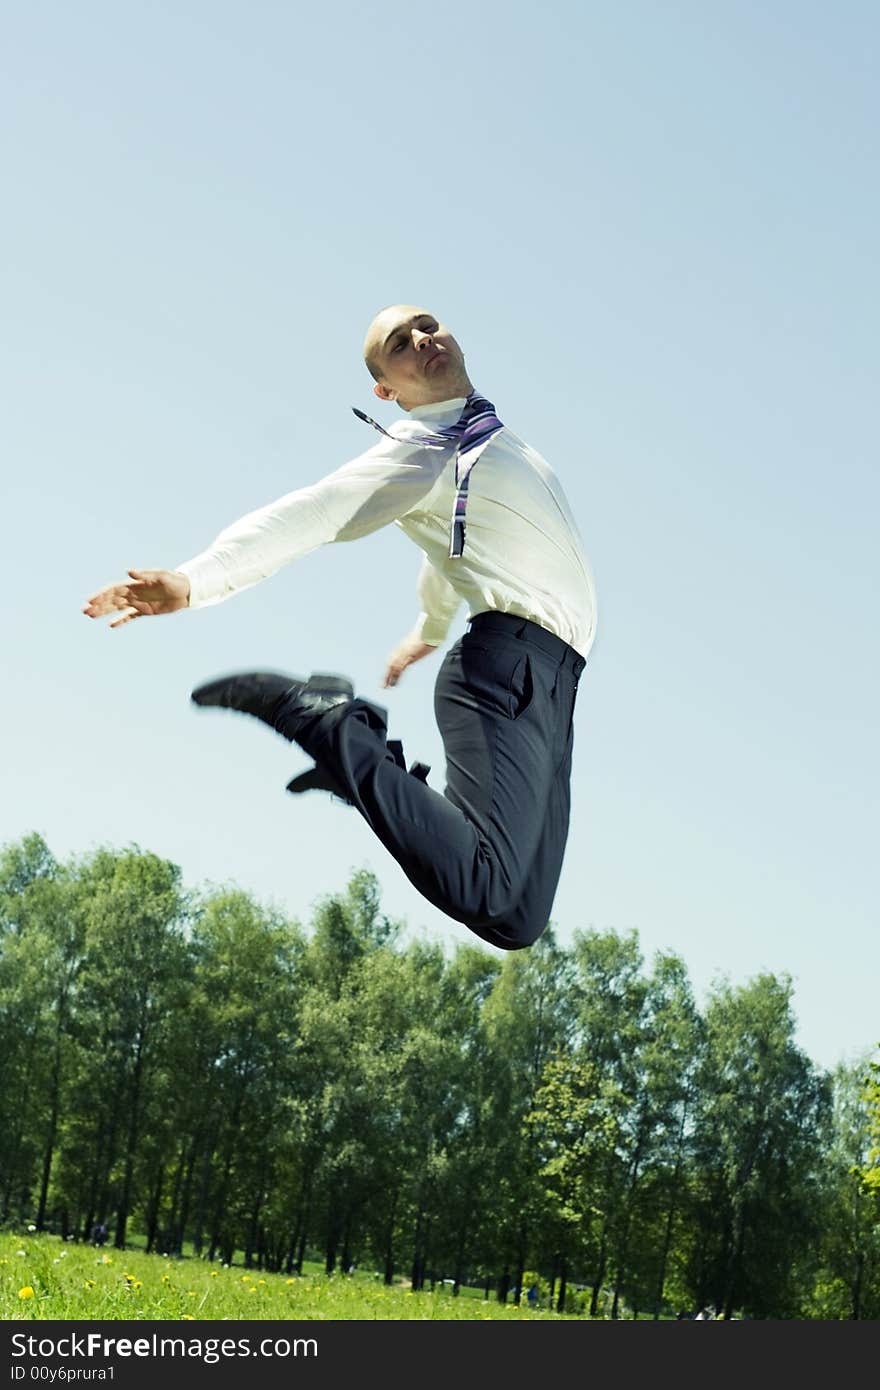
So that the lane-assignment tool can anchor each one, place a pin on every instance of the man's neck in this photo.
(460, 388)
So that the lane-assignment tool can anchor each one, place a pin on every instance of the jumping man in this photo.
(496, 532)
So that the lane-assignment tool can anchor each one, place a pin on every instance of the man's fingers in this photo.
(109, 595)
(99, 607)
(103, 604)
(126, 617)
(115, 596)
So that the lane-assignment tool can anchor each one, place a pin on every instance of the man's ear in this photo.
(384, 392)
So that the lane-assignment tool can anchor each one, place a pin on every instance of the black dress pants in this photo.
(489, 851)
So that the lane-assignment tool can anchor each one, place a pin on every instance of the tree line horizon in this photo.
(197, 1068)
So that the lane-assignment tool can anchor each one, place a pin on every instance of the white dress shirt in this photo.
(522, 552)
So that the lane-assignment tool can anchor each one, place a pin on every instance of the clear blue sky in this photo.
(654, 230)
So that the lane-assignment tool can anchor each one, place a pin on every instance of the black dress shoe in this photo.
(275, 698)
(315, 779)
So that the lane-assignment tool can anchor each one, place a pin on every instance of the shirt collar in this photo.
(441, 413)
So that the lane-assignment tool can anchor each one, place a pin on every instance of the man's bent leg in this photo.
(531, 791)
(504, 713)
(531, 914)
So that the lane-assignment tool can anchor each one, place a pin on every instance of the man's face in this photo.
(417, 358)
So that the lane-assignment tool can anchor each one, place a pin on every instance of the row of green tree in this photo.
(194, 1067)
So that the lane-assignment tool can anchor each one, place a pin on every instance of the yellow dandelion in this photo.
(190, 1293)
(106, 1260)
(253, 1289)
(215, 1274)
(26, 1292)
(188, 1317)
(166, 1278)
(90, 1283)
(261, 1281)
(129, 1278)
(245, 1278)
(291, 1281)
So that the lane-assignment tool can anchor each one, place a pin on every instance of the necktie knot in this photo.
(477, 422)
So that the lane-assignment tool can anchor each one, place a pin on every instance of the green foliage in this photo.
(204, 1075)
(869, 1170)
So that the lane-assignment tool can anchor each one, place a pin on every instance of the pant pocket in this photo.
(522, 688)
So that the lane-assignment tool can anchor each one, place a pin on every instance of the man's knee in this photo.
(510, 934)
(513, 923)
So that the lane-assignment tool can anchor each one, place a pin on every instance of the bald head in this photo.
(413, 358)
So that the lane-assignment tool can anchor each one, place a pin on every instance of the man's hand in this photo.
(411, 649)
(145, 594)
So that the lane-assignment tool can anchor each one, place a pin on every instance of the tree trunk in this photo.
(665, 1248)
(301, 1249)
(600, 1275)
(153, 1211)
(183, 1214)
(458, 1272)
(53, 1120)
(623, 1243)
(220, 1203)
(734, 1268)
(389, 1242)
(520, 1269)
(131, 1143)
(346, 1246)
(857, 1288)
(204, 1187)
(563, 1285)
(670, 1215)
(332, 1242)
(417, 1269)
(168, 1232)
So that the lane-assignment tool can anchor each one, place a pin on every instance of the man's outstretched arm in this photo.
(362, 496)
(146, 593)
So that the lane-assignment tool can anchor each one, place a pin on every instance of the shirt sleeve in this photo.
(363, 495)
(439, 603)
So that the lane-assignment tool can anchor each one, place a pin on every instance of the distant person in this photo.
(496, 532)
(99, 1233)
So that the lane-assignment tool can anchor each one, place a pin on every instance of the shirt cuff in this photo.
(432, 631)
(207, 580)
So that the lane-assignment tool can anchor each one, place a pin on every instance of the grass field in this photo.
(42, 1276)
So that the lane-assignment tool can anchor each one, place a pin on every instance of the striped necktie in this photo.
(472, 431)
